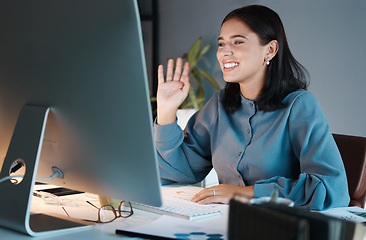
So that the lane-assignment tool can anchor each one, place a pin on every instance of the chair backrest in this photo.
(353, 152)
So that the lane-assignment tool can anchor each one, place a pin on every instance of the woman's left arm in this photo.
(322, 182)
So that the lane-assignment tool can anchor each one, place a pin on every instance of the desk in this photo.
(100, 231)
(107, 231)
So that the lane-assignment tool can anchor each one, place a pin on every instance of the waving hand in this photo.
(172, 91)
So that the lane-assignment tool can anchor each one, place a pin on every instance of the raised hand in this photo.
(172, 91)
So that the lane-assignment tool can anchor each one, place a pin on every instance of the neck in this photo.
(251, 91)
(252, 86)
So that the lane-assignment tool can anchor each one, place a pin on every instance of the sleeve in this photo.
(322, 182)
(185, 157)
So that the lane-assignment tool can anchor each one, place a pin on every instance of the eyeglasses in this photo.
(108, 214)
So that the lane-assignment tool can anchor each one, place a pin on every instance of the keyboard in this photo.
(187, 210)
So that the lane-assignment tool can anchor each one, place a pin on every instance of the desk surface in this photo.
(140, 219)
(104, 231)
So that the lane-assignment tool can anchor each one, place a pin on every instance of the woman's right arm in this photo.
(184, 157)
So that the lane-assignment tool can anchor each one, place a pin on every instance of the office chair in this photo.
(353, 152)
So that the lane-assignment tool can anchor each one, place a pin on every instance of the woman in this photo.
(263, 132)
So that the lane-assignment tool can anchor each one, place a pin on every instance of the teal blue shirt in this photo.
(290, 149)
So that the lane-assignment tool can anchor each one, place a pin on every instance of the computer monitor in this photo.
(83, 61)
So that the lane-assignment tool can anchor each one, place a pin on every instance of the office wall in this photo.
(326, 36)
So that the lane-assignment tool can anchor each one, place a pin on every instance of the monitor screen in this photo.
(84, 59)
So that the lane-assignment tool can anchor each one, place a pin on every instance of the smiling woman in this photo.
(266, 46)
(243, 58)
(263, 132)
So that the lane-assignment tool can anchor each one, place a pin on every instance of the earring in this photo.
(267, 61)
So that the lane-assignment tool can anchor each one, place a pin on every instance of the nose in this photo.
(226, 50)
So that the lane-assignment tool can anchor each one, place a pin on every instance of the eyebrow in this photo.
(233, 36)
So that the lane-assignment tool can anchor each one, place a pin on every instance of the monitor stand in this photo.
(25, 147)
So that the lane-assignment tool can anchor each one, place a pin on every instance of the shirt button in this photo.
(239, 154)
(248, 130)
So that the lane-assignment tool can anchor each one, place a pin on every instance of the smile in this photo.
(230, 65)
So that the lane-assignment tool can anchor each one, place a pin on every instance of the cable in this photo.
(16, 166)
(56, 172)
(10, 177)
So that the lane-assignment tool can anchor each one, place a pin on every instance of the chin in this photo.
(231, 80)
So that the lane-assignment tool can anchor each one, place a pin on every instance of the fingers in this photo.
(169, 71)
(185, 75)
(178, 69)
(179, 73)
(214, 200)
(210, 195)
(160, 74)
(222, 193)
(186, 69)
(185, 78)
(208, 192)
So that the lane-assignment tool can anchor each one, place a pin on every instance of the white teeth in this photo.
(230, 65)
